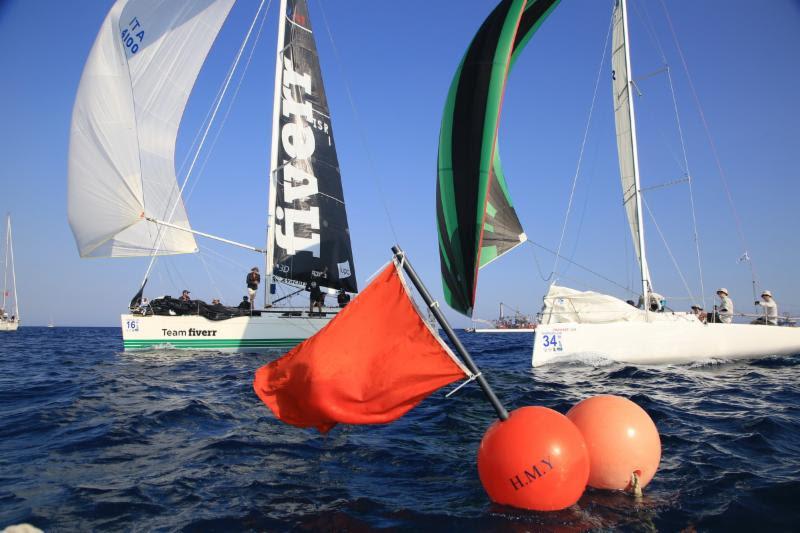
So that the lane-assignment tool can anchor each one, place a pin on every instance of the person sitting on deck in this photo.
(723, 313)
(770, 307)
(245, 303)
(185, 296)
(699, 313)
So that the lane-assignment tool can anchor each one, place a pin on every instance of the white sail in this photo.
(130, 101)
(626, 138)
(6, 312)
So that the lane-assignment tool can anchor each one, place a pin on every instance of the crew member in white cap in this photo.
(770, 307)
(725, 308)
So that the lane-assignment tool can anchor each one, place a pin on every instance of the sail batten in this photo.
(475, 215)
(133, 91)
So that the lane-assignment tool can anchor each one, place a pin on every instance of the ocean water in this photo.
(92, 438)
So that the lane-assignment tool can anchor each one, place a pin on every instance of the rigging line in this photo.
(590, 271)
(669, 251)
(695, 233)
(160, 234)
(583, 146)
(539, 267)
(230, 106)
(650, 28)
(210, 277)
(223, 257)
(721, 171)
(377, 180)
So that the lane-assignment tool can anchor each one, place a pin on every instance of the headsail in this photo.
(626, 138)
(476, 220)
(309, 236)
(130, 101)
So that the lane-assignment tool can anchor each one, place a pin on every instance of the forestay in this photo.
(475, 217)
(129, 105)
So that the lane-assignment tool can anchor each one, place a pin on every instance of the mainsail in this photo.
(626, 137)
(476, 220)
(309, 237)
(129, 105)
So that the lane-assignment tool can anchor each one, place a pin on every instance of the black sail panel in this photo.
(311, 235)
(475, 216)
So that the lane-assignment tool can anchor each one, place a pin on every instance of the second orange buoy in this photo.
(622, 441)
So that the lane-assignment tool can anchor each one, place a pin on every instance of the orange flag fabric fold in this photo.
(371, 364)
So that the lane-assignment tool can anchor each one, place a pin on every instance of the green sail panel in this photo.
(474, 213)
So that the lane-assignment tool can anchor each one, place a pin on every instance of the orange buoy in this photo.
(622, 439)
(537, 459)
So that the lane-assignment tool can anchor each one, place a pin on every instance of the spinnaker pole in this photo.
(433, 305)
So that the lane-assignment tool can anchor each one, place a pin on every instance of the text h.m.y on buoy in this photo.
(536, 459)
(622, 441)
(533, 458)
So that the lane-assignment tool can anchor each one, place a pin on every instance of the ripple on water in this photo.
(92, 438)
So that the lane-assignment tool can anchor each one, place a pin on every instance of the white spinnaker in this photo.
(129, 105)
(626, 142)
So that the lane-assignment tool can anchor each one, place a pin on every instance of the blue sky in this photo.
(397, 60)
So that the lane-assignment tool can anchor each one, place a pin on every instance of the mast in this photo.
(10, 253)
(273, 165)
(645, 272)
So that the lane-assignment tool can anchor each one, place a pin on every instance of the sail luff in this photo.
(625, 122)
(273, 165)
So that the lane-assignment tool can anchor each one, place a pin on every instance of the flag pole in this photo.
(433, 305)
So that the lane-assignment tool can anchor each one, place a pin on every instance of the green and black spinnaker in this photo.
(476, 220)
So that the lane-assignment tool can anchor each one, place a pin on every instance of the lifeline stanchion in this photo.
(433, 305)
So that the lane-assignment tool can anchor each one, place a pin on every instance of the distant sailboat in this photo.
(124, 198)
(50, 323)
(9, 311)
(516, 323)
(471, 182)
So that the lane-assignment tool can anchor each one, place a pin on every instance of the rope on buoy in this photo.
(635, 488)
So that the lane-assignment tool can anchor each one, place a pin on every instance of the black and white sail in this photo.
(309, 238)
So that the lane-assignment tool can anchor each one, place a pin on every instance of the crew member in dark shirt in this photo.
(343, 298)
(252, 280)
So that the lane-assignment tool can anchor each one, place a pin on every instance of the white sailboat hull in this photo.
(271, 330)
(661, 342)
(9, 325)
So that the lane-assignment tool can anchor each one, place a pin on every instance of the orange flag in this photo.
(371, 364)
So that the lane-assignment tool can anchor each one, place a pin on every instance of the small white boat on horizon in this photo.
(9, 318)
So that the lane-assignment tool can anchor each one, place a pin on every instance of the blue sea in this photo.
(92, 438)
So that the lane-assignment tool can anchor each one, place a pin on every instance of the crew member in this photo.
(316, 296)
(770, 307)
(723, 312)
(252, 280)
(342, 298)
